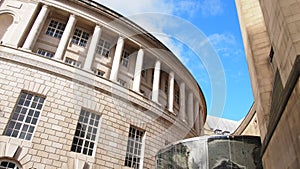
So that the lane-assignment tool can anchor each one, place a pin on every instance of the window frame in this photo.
(72, 62)
(166, 87)
(80, 38)
(177, 96)
(8, 160)
(85, 133)
(46, 53)
(141, 146)
(122, 82)
(125, 58)
(98, 72)
(23, 122)
(101, 48)
(55, 28)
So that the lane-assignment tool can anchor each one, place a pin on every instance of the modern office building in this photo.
(271, 35)
(83, 87)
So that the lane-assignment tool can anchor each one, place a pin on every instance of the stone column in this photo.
(36, 28)
(117, 59)
(171, 91)
(182, 115)
(155, 87)
(138, 70)
(197, 118)
(65, 38)
(92, 49)
(190, 108)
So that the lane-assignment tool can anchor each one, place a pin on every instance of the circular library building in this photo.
(83, 87)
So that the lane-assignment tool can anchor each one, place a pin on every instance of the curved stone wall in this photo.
(79, 92)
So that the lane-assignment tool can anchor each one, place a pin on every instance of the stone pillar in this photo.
(155, 87)
(138, 70)
(190, 108)
(117, 59)
(36, 28)
(171, 91)
(65, 38)
(182, 102)
(92, 49)
(197, 118)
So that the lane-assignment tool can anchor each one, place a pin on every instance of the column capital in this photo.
(172, 74)
(72, 15)
(45, 6)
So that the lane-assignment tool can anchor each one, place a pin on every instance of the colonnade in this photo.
(188, 109)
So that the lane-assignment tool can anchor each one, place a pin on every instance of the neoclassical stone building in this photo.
(271, 36)
(83, 87)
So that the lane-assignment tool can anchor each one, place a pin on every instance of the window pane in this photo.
(21, 119)
(55, 29)
(80, 37)
(134, 148)
(85, 134)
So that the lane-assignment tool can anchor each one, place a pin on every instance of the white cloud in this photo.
(211, 7)
(225, 38)
(158, 25)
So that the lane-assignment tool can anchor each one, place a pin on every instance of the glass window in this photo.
(125, 58)
(72, 62)
(84, 140)
(98, 72)
(103, 48)
(55, 29)
(8, 164)
(80, 37)
(176, 96)
(45, 53)
(166, 86)
(134, 148)
(25, 116)
(143, 73)
(122, 82)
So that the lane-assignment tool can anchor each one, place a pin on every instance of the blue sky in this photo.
(173, 22)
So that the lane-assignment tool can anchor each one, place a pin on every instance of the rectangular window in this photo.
(176, 96)
(103, 48)
(85, 137)
(166, 86)
(25, 116)
(55, 29)
(143, 72)
(72, 62)
(98, 72)
(125, 58)
(134, 148)
(122, 82)
(80, 37)
(152, 76)
(45, 53)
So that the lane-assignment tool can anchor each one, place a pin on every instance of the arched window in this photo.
(6, 20)
(8, 164)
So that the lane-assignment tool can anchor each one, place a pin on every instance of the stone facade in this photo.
(271, 32)
(249, 125)
(65, 71)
